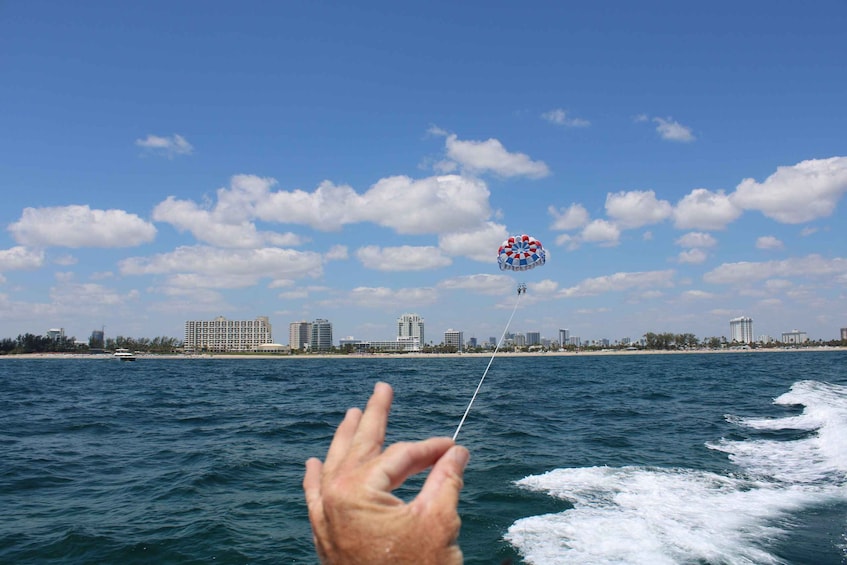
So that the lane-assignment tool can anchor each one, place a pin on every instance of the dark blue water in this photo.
(595, 459)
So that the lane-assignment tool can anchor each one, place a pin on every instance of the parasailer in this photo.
(518, 253)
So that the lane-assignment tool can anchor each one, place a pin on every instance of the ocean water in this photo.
(702, 458)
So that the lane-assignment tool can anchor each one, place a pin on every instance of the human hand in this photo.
(355, 518)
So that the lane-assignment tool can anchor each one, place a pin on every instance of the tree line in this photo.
(31, 343)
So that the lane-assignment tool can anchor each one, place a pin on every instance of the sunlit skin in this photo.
(355, 517)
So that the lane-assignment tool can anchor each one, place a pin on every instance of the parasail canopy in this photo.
(521, 253)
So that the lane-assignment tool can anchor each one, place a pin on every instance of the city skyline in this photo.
(683, 165)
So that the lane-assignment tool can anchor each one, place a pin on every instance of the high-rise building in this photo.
(533, 338)
(220, 334)
(843, 334)
(454, 338)
(321, 339)
(741, 330)
(299, 334)
(97, 339)
(564, 337)
(411, 325)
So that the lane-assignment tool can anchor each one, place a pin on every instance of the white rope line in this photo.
(502, 337)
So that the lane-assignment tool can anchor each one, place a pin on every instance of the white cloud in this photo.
(20, 258)
(636, 208)
(671, 130)
(692, 256)
(80, 226)
(801, 267)
(697, 295)
(705, 210)
(800, 193)
(601, 232)
(490, 156)
(336, 253)
(768, 242)
(573, 217)
(620, 282)
(479, 245)
(403, 258)
(251, 264)
(165, 146)
(482, 283)
(430, 205)
(560, 118)
(696, 240)
(387, 298)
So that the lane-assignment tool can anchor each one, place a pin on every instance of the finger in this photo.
(342, 439)
(402, 460)
(312, 485)
(444, 483)
(370, 434)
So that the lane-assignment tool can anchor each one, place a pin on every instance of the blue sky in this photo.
(682, 163)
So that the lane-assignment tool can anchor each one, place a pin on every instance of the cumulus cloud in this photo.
(20, 258)
(490, 156)
(431, 205)
(692, 256)
(601, 232)
(480, 244)
(671, 130)
(573, 217)
(80, 226)
(336, 253)
(800, 193)
(240, 267)
(705, 210)
(402, 258)
(696, 240)
(620, 282)
(480, 283)
(768, 242)
(801, 267)
(636, 208)
(560, 117)
(387, 298)
(167, 146)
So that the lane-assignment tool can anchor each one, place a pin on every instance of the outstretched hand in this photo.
(355, 517)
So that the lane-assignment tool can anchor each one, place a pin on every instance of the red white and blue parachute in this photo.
(521, 253)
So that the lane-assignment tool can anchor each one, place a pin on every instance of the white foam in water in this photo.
(662, 516)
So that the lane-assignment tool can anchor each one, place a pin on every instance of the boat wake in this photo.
(658, 515)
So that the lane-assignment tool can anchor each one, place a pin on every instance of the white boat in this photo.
(124, 354)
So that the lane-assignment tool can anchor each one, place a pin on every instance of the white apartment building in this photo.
(299, 334)
(741, 330)
(454, 338)
(411, 325)
(220, 334)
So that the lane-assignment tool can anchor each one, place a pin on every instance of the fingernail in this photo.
(461, 456)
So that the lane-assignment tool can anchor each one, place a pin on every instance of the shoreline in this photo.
(247, 356)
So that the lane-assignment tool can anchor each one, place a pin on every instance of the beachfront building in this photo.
(533, 338)
(221, 335)
(794, 337)
(741, 330)
(843, 334)
(299, 334)
(409, 326)
(321, 339)
(56, 334)
(564, 337)
(454, 338)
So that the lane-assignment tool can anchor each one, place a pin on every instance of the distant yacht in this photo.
(124, 354)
